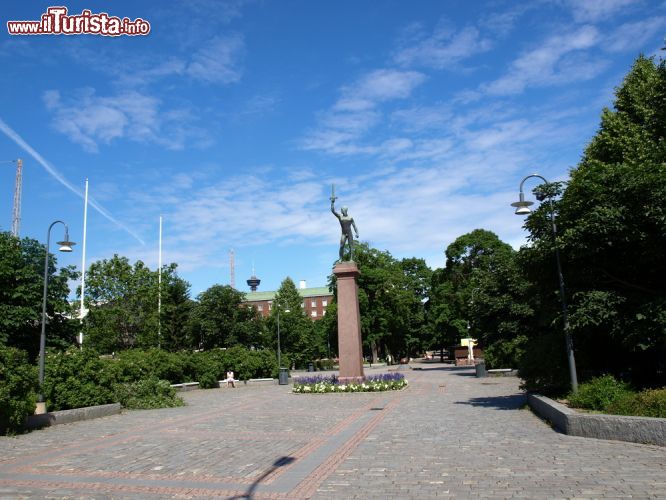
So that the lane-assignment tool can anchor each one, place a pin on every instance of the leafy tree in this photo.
(391, 295)
(21, 289)
(612, 226)
(122, 303)
(219, 319)
(482, 289)
(297, 331)
(177, 308)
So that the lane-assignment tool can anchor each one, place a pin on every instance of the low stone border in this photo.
(68, 416)
(502, 372)
(646, 430)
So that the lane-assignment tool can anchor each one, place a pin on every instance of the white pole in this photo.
(83, 264)
(159, 291)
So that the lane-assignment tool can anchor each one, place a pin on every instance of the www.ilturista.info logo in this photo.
(56, 21)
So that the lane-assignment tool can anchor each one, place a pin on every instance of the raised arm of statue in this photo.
(333, 208)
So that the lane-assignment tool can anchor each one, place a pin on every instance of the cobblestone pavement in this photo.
(449, 434)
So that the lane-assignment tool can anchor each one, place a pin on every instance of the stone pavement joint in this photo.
(448, 434)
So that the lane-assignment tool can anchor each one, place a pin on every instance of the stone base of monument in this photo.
(349, 322)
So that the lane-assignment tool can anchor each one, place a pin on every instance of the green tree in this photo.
(122, 303)
(297, 332)
(123, 306)
(391, 301)
(176, 311)
(21, 289)
(219, 319)
(482, 292)
(612, 235)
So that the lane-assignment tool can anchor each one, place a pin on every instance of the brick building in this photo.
(315, 301)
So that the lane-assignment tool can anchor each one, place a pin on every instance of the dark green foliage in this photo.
(21, 288)
(599, 393)
(18, 386)
(647, 403)
(543, 366)
(207, 380)
(77, 378)
(612, 235)
(391, 296)
(122, 303)
(135, 364)
(248, 364)
(245, 364)
(218, 319)
(505, 353)
(297, 332)
(146, 394)
(481, 293)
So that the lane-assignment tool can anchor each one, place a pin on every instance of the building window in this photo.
(303, 304)
(324, 302)
(260, 307)
(270, 305)
(324, 313)
(313, 303)
(313, 314)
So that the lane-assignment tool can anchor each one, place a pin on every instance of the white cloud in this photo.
(378, 86)
(598, 10)
(443, 48)
(89, 120)
(632, 36)
(551, 63)
(218, 60)
(356, 111)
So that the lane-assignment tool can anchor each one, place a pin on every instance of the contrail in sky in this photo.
(9, 132)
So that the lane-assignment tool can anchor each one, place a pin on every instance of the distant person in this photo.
(231, 381)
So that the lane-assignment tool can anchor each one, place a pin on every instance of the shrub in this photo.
(648, 403)
(77, 378)
(137, 364)
(207, 380)
(505, 353)
(599, 393)
(18, 385)
(147, 393)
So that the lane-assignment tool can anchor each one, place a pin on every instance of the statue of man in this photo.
(346, 224)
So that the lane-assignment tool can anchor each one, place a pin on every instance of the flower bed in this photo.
(374, 383)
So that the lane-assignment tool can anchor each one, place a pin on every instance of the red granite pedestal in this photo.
(349, 323)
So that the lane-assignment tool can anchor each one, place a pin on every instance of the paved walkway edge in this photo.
(68, 416)
(646, 430)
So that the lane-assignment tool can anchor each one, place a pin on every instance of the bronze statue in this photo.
(346, 224)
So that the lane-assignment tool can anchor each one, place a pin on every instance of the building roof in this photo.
(303, 292)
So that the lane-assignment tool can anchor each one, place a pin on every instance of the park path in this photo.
(449, 434)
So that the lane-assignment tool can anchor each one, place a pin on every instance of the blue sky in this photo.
(232, 119)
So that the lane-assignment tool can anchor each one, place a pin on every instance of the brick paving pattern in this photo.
(448, 435)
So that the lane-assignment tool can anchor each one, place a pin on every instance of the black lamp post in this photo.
(65, 246)
(283, 375)
(522, 208)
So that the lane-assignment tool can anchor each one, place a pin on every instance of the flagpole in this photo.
(159, 291)
(83, 265)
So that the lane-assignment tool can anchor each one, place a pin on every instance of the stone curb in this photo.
(69, 416)
(191, 386)
(646, 430)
